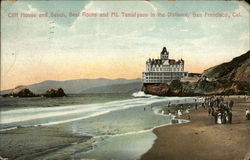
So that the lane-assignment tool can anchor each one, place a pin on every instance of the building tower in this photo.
(164, 54)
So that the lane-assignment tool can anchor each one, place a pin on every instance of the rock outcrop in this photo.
(156, 89)
(175, 88)
(55, 93)
(20, 91)
(23, 91)
(228, 79)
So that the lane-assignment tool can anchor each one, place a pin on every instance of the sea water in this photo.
(121, 129)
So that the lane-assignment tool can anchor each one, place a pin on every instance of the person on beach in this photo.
(230, 117)
(222, 99)
(203, 105)
(231, 103)
(215, 117)
(219, 118)
(212, 111)
(224, 117)
(179, 113)
(247, 114)
(181, 107)
(209, 111)
(211, 104)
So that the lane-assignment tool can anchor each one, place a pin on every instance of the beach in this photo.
(94, 131)
(201, 139)
(117, 129)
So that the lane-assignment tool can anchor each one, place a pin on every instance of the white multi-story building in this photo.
(164, 69)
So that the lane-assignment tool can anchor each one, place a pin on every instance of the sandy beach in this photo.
(201, 139)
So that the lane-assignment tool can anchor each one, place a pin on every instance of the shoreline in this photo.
(39, 141)
(202, 139)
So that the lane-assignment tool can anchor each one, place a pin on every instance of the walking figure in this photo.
(230, 116)
(247, 114)
(215, 117)
(231, 103)
(209, 110)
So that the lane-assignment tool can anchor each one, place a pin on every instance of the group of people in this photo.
(219, 110)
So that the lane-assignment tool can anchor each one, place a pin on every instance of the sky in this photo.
(62, 48)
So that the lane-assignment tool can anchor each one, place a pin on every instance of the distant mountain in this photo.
(76, 86)
(236, 70)
(116, 88)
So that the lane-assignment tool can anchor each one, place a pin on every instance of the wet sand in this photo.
(201, 139)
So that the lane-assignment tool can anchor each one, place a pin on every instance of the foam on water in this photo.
(141, 94)
(57, 115)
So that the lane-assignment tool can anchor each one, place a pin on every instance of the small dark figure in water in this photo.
(230, 117)
(144, 108)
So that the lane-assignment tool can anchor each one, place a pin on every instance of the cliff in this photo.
(236, 70)
(228, 78)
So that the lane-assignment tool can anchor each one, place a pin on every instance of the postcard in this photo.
(125, 80)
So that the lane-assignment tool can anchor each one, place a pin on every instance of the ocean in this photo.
(120, 126)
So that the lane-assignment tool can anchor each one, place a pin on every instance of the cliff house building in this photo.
(164, 69)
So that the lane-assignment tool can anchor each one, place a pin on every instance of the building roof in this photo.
(160, 61)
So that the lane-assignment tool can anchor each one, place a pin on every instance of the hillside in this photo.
(76, 86)
(236, 70)
(116, 88)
